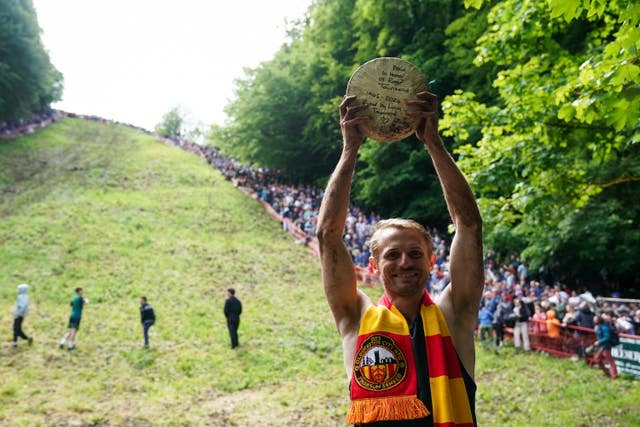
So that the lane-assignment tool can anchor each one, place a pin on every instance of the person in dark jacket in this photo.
(147, 318)
(584, 319)
(521, 316)
(502, 317)
(232, 311)
(585, 316)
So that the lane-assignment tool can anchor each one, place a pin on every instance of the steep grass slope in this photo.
(121, 214)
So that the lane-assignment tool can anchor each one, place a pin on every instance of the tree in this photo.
(172, 124)
(399, 179)
(28, 80)
(555, 160)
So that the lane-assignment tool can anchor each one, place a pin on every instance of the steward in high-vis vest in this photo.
(409, 361)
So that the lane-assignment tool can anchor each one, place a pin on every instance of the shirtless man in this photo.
(408, 361)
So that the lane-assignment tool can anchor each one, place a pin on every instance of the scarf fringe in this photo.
(386, 409)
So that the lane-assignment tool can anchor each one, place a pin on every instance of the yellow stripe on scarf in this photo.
(433, 321)
(450, 397)
(380, 319)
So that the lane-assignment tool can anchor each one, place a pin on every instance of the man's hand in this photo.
(427, 106)
(350, 122)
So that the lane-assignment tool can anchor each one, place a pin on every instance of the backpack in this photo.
(615, 338)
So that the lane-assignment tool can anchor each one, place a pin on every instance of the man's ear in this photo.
(373, 264)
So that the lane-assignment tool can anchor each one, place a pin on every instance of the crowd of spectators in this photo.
(512, 297)
(300, 204)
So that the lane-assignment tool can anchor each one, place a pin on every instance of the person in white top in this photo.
(20, 312)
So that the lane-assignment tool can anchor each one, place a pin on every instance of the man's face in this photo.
(403, 261)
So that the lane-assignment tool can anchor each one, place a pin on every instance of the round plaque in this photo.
(384, 84)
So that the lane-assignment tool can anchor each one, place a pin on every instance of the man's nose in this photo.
(404, 259)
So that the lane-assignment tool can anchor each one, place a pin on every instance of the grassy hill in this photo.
(121, 214)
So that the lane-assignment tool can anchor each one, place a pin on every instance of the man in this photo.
(20, 312)
(408, 361)
(521, 314)
(147, 318)
(603, 344)
(232, 311)
(77, 304)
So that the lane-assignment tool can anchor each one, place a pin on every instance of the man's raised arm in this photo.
(338, 274)
(461, 302)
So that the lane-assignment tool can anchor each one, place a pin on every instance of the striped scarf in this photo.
(384, 383)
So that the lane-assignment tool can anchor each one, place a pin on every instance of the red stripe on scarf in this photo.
(444, 362)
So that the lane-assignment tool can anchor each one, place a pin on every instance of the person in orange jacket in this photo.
(553, 325)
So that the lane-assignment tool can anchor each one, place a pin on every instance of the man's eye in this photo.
(415, 254)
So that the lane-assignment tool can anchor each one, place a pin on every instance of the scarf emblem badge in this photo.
(379, 364)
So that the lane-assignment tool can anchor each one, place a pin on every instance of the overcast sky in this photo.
(134, 60)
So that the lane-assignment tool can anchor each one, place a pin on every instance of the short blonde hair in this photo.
(402, 224)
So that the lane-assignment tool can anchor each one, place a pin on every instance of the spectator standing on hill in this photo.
(553, 325)
(584, 319)
(636, 321)
(20, 312)
(624, 322)
(585, 316)
(77, 304)
(574, 299)
(521, 327)
(503, 317)
(570, 317)
(539, 320)
(523, 273)
(485, 320)
(147, 318)
(385, 346)
(603, 343)
(232, 311)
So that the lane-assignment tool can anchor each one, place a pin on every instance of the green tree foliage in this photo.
(555, 160)
(540, 104)
(285, 111)
(172, 124)
(399, 179)
(28, 80)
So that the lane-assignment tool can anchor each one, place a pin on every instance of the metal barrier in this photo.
(573, 341)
